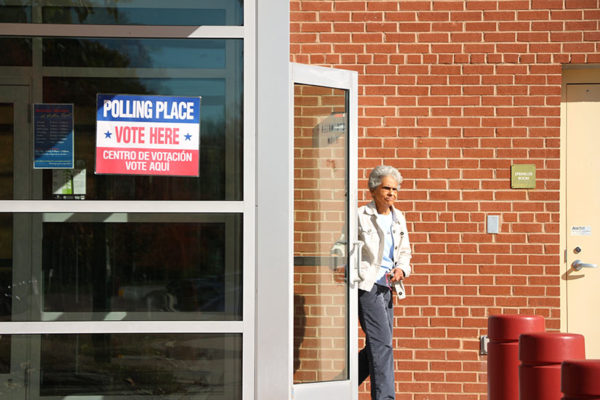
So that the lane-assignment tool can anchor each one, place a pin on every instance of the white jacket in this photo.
(372, 251)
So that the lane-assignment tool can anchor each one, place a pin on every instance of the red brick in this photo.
(581, 4)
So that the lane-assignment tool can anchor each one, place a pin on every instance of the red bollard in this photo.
(503, 352)
(541, 356)
(580, 379)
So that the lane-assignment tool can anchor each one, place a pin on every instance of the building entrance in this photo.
(581, 274)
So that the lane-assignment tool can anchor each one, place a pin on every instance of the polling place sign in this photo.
(147, 135)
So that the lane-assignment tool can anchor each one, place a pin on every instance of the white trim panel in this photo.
(77, 327)
(324, 390)
(104, 206)
(353, 228)
(274, 293)
(249, 191)
(121, 31)
(322, 76)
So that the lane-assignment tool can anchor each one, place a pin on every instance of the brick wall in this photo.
(453, 93)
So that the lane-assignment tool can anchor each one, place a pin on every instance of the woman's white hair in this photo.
(381, 171)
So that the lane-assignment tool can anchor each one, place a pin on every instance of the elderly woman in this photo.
(384, 265)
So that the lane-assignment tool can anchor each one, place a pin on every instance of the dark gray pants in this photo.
(376, 315)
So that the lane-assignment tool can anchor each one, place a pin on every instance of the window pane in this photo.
(210, 69)
(17, 52)
(6, 142)
(174, 366)
(14, 13)
(121, 267)
(218, 179)
(137, 53)
(134, 12)
(320, 237)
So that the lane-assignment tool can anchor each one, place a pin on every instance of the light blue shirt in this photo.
(387, 261)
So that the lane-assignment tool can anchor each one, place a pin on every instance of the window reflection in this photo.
(190, 366)
(210, 69)
(6, 281)
(138, 16)
(6, 142)
(12, 12)
(121, 266)
(135, 53)
(133, 12)
(320, 237)
(5, 354)
(16, 51)
(220, 140)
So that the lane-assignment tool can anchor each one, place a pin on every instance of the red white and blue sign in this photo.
(147, 135)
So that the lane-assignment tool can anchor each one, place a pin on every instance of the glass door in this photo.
(325, 310)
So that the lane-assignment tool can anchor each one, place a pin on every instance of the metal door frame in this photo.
(571, 75)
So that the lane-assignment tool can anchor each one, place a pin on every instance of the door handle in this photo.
(578, 265)
(357, 275)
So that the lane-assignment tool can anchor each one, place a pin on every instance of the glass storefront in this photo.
(132, 285)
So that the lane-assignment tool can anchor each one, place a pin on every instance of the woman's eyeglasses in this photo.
(389, 188)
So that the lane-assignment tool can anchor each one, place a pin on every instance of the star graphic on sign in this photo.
(188, 136)
(107, 135)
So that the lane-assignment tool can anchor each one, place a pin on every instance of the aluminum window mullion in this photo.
(215, 4)
(112, 206)
(101, 327)
(249, 261)
(83, 72)
(123, 31)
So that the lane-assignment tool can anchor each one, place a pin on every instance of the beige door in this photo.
(581, 275)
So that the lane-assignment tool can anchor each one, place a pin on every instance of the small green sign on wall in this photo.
(522, 176)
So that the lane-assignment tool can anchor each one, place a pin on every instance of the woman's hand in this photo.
(396, 275)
